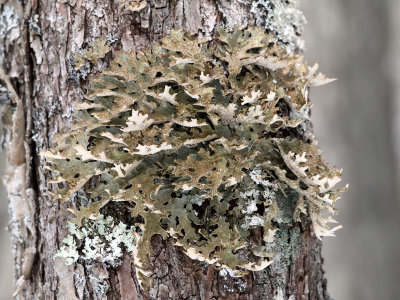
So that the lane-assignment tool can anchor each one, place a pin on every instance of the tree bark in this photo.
(35, 56)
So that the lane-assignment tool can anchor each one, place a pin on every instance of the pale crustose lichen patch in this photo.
(284, 18)
(99, 240)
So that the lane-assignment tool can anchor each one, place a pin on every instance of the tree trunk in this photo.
(38, 39)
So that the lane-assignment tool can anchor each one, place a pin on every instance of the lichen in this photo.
(34, 25)
(134, 5)
(283, 18)
(8, 19)
(9, 26)
(99, 240)
(204, 141)
(97, 49)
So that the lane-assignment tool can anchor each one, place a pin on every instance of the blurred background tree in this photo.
(357, 121)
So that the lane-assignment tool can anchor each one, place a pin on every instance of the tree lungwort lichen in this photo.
(204, 139)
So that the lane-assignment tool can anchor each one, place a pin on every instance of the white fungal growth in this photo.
(102, 240)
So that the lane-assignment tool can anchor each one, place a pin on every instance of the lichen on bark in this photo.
(284, 18)
(204, 141)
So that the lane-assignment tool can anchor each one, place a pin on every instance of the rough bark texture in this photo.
(35, 56)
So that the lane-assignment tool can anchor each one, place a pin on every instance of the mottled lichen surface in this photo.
(205, 141)
(282, 17)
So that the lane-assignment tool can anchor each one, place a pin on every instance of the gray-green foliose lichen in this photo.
(200, 139)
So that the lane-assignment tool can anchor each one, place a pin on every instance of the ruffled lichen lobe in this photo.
(204, 142)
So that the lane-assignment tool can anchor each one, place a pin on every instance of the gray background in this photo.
(357, 122)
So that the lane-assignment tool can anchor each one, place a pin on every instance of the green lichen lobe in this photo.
(204, 140)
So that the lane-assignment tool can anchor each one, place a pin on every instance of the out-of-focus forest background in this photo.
(357, 121)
